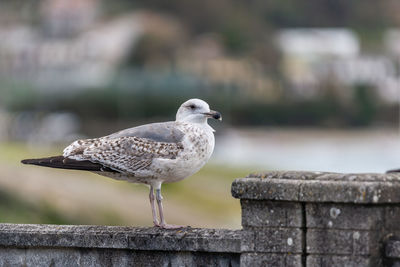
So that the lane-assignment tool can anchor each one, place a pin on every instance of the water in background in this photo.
(366, 150)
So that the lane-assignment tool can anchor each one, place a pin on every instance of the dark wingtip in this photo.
(393, 171)
(35, 161)
(25, 161)
(64, 163)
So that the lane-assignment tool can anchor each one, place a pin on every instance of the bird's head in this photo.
(196, 111)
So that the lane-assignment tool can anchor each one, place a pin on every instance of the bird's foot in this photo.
(170, 226)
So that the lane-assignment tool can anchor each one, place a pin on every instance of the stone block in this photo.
(163, 258)
(29, 235)
(339, 261)
(52, 257)
(392, 249)
(366, 188)
(81, 236)
(11, 257)
(247, 240)
(392, 218)
(344, 216)
(256, 213)
(270, 259)
(187, 239)
(210, 259)
(279, 240)
(250, 188)
(344, 242)
(47, 257)
(347, 192)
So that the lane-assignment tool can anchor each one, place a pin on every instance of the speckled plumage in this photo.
(142, 160)
(150, 154)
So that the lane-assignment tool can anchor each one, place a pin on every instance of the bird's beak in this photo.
(214, 114)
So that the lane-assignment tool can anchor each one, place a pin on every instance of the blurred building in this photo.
(304, 50)
(73, 48)
(392, 41)
(64, 18)
(313, 56)
(311, 44)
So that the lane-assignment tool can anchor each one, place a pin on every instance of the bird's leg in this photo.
(153, 207)
(163, 224)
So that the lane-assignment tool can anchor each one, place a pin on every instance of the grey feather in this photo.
(166, 132)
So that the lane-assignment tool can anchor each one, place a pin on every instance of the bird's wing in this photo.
(165, 132)
(125, 154)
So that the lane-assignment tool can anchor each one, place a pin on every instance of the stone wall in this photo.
(321, 219)
(288, 219)
(66, 245)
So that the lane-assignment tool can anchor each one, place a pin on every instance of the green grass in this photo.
(13, 152)
(207, 192)
(208, 189)
(16, 210)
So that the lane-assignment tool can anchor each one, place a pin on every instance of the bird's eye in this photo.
(192, 106)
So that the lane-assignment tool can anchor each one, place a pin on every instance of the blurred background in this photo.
(301, 86)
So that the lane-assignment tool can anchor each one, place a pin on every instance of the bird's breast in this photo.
(198, 145)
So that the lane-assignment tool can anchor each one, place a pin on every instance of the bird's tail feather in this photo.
(67, 163)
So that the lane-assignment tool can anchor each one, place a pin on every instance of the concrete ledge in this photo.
(115, 237)
(366, 188)
(288, 219)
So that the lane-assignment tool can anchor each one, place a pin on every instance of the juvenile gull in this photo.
(150, 154)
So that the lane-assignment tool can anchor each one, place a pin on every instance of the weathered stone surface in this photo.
(187, 239)
(11, 257)
(288, 218)
(344, 216)
(392, 249)
(52, 257)
(343, 242)
(340, 261)
(247, 240)
(392, 252)
(392, 263)
(47, 257)
(270, 259)
(278, 240)
(271, 214)
(392, 217)
(319, 187)
(331, 176)
(348, 192)
(259, 189)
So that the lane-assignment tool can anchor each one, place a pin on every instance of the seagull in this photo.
(150, 154)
